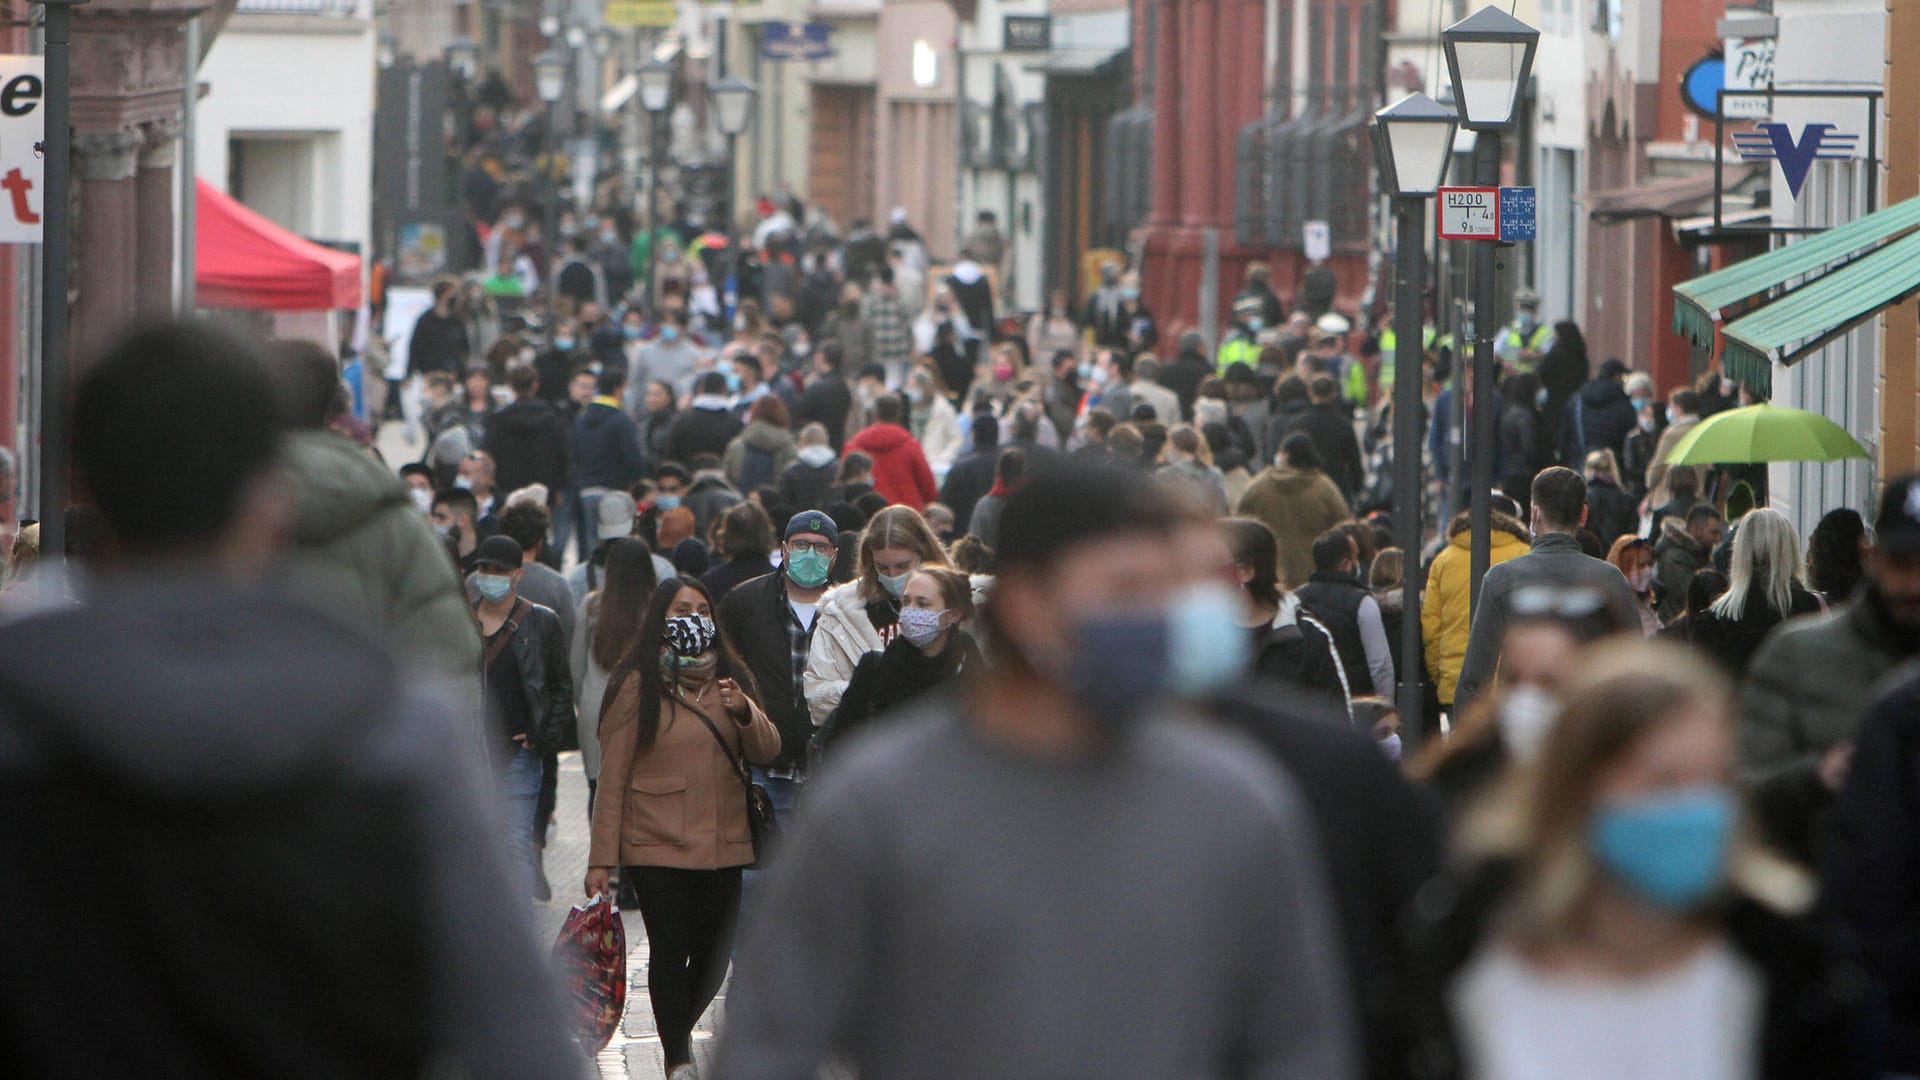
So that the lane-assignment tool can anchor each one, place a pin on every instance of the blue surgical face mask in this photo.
(895, 584)
(1085, 371)
(563, 343)
(1254, 324)
(1669, 849)
(669, 332)
(667, 502)
(1390, 746)
(808, 569)
(444, 530)
(493, 586)
(631, 333)
(733, 382)
(1540, 396)
(1129, 293)
(463, 483)
(1121, 664)
(1639, 403)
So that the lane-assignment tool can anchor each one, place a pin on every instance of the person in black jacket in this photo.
(526, 682)
(827, 400)
(606, 453)
(529, 441)
(439, 341)
(1611, 512)
(1519, 428)
(707, 426)
(929, 651)
(1290, 646)
(746, 543)
(1334, 595)
(1329, 423)
(1765, 588)
(770, 622)
(971, 476)
(1868, 887)
(1619, 860)
(1600, 416)
(808, 480)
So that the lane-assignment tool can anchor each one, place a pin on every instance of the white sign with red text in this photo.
(22, 127)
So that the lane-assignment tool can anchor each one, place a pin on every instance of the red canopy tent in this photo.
(242, 260)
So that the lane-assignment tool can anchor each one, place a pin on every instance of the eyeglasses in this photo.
(821, 547)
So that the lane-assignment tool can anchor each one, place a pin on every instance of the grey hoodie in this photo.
(304, 877)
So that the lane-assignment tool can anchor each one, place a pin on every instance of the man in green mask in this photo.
(769, 620)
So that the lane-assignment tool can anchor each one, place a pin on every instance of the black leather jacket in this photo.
(540, 648)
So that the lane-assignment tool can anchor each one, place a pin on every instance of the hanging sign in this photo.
(1317, 240)
(22, 128)
(1517, 207)
(796, 41)
(654, 13)
(1469, 213)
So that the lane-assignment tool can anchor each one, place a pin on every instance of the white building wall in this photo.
(1023, 215)
(1829, 44)
(299, 77)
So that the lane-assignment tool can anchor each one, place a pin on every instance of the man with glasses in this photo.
(770, 621)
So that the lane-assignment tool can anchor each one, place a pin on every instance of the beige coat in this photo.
(1298, 505)
(1657, 469)
(679, 803)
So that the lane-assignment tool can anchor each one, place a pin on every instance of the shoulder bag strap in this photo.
(739, 765)
(498, 643)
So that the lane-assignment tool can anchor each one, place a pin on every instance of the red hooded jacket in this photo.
(900, 470)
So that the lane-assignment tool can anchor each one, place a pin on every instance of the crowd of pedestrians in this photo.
(1008, 714)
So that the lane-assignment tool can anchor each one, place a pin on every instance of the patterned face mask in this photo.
(690, 635)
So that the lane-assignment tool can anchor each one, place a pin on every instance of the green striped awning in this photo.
(1701, 304)
(1820, 311)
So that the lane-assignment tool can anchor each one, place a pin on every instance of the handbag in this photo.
(591, 954)
(762, 825)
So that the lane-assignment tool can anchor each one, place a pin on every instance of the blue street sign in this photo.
(796, 41)
(1516, 214)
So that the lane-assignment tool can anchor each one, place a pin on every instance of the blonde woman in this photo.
(1189, 462)
(1766, 584)
(1619, 923)
(863, 615)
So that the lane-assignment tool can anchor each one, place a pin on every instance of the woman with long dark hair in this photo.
(1562, 372)
(678, 725)
(609, 623)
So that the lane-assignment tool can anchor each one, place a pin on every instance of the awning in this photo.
(1701, 229)
(1815, 314)
(616, 99)
(1679, 196)
(1702, 303)
(1072, 62)
(242, 260)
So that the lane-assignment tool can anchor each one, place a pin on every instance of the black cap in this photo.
(1613, 369)
(1238, 372)
(813, 521)
(499, 552)
(1897, 527)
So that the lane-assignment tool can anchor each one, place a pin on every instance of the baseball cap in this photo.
(1897, 527)
(812, 521)
(615, 515)
(498, 552)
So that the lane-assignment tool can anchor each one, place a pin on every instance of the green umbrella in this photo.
(1765, 433)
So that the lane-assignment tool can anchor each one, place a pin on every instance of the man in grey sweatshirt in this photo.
(1559, 508)
(1054, 872)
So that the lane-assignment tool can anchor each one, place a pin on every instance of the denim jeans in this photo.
(783, 794)
(587, 521)
(520, 789)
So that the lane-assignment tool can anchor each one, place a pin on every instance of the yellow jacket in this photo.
(1444, 622)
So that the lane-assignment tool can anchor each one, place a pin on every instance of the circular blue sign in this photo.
(1700, 86)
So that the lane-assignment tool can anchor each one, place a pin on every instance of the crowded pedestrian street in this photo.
(1042, 539)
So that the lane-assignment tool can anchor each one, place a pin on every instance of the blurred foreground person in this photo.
(1060, 874)
(306, 878)
(1617, 921)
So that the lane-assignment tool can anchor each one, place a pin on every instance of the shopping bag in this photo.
(591, 954)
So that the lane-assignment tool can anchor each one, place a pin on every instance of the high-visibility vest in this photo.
(1238, 350)
(1388, 351)
(1512, 343)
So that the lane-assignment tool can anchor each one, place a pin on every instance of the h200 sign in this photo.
(1469, 213)
(22, 127)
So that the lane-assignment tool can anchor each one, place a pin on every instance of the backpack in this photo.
(756, 469)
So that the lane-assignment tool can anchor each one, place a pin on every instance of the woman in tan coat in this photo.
(671, 809)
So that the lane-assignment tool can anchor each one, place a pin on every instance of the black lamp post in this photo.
(550, 82)
(1413, 140)
(656, 97)
(1489, 55)
(732, 111)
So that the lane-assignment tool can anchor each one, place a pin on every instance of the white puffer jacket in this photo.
(842, 634)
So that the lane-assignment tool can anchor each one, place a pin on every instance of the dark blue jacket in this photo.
(606, 448)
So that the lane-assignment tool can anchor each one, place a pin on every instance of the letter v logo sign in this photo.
(1796, 158)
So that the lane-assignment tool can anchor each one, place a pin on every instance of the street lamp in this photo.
(1489, 56)
(463, 57)
(732, 111)
(656, 97)
(550, 82)
(1412, 143)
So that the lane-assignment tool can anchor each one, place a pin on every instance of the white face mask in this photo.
(1641, 579)
(1526, 715)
